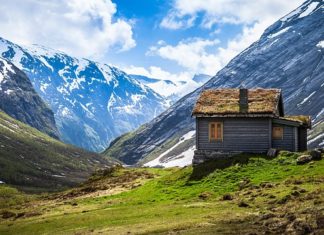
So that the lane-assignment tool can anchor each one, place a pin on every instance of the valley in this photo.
(32, 161)
(97, 139)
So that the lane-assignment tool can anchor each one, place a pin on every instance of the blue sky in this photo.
(172, 39)
(148, 32)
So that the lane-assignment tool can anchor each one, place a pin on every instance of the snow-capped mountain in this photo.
(92, 102)
(201, 78)
(19, 100)
(172, 90)
(289, 55)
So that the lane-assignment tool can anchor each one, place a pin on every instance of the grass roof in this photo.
(304, 120)
(226, 101)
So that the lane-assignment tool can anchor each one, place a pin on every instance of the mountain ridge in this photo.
(92, 102)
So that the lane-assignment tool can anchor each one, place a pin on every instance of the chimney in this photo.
(244, 104)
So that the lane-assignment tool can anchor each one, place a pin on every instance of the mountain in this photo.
(30, 159)
(201, 78)
(92, 102)
(19, 99)
(289, 55)
(171, 90)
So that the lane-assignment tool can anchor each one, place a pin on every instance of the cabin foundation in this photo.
(201, 156)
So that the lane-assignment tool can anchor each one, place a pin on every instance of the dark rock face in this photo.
(19, 100)
(289, 56)
(316, 155)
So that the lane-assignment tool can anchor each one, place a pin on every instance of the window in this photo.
(215, 131)
(277, 133)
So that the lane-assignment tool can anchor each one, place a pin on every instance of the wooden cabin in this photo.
(246, 120)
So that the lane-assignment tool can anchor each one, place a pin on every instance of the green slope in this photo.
(246, 195)
(32, 160)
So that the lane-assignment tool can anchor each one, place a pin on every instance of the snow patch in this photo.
(291, 14)
(5, 70)
(43, 87)
(316, 138)
(322, 143)
(82, 65)
(279, 32)
(40, 51)
(88, 112)
(44, 61)
(187, 154)
(106, 72)
(320, 113)
(311, 7)
(111, 102)
(8, 92)
(59, 176)
(76, 83)
(66, 112)
(320, 44)
(181, 160)
(307, 98)
(136, 98)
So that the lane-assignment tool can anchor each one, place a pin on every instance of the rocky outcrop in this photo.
(303, 159)
(19, 100)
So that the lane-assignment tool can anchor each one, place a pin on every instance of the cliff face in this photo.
(19, 100)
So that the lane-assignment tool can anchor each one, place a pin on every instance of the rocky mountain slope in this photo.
(289, 55)
(31, 160)
(93, 103)
(19, 99)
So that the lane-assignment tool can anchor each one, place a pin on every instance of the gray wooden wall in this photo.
(302, 139)
(288, 141)
(240, 134)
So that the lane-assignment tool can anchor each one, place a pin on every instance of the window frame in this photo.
(281, 131)
(216, 138)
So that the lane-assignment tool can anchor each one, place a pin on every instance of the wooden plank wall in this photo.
(302, 139)
(288, 141)
(240, 134)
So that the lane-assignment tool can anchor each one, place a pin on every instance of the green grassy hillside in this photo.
(246, 195)
(32, 160)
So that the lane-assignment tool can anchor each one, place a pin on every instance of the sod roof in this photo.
(302, 119)
(216, 102)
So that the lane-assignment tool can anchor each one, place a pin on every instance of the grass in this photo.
(29, 157)
(222, 101)
(266, 195)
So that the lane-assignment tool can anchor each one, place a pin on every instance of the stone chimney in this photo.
(244, 104)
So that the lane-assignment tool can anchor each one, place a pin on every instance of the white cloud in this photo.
(190, 54)
(176, 21)
(225, 11)
(81, 27)
(195, 58)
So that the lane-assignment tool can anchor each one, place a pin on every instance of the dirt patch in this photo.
(107, 182)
